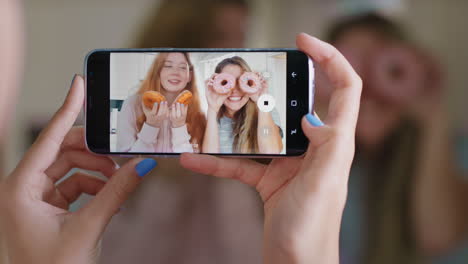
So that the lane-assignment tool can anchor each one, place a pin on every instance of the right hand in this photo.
(156, 116)
(215, 100)
(303, 197)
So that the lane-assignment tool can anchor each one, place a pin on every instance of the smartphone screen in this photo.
(242, 102)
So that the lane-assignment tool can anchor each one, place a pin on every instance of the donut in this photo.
(149, 98)
(184, 98)
(223, 83)
(250, 82)
(397, 74)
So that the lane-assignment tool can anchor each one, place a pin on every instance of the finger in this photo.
(244, 170)
(43, 152)
(178, 112)
(185, 107)
(114, 193)
(74, 139)
(144, 108)
(315, 130)
(162, 109)
(155, 109)
(173, 113)
(77, 184)
(345, 99)
(80, 159)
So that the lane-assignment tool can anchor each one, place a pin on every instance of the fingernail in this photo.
(73, 80)
(313, 120)
(145, 166)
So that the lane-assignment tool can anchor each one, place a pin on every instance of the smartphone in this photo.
(228, 102)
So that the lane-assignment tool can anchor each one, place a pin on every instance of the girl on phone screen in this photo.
(235, 125)
(168, 126)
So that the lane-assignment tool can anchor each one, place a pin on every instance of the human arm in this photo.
(440, 194)
(268, 132)
(215, 101)
(270, 143)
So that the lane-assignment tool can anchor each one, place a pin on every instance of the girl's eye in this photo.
(168, 66)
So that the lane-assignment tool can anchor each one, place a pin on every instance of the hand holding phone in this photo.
(304, 196)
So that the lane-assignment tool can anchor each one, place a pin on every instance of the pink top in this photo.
(164, 139)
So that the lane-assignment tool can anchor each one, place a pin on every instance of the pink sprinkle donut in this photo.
(223, 83)
(250, 82)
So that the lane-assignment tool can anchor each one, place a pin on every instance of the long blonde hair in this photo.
(246, 119)
(196, 121)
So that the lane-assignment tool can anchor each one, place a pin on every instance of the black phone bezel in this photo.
(300, 94)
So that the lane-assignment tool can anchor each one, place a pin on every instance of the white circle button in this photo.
(266, 103)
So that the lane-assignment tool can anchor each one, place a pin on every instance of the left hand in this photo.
(178, 114)
(36, 222)
(263, 89)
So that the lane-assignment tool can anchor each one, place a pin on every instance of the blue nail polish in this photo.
(313, 120)
(145, 166)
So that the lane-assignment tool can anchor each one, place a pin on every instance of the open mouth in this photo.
(174, 82)
(235, 98)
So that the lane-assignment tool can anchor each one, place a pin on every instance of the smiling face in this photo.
(237, 99)
(175, 73)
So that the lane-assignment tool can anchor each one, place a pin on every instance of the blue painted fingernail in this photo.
(313, 120)
(145, 166)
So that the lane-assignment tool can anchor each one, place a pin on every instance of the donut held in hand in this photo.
(151, 97)
(250, 82)
(184, 98)
(398, 74)
(223, 83)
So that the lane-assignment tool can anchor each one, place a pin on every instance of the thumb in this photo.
(116, 191)
(315, 130)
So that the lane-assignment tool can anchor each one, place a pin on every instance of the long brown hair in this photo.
(196, 121)
(246, 119)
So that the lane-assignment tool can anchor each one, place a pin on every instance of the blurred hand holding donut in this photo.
(156, 115)
(253, 84)
(216, 88)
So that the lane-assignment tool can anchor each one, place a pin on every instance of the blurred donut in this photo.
(149, 98)
(250, 82)
(398, 74)
(185, 97)
(223, 83)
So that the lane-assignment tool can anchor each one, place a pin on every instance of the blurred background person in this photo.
(407, 196)
(179, 216)
(59, 35)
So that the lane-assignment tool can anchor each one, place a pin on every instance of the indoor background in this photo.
(61, 33)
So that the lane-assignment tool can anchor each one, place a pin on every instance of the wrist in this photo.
(212, 111)
(154, 124)
(177, 125)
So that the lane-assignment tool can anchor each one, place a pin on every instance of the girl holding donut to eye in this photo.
(234, 122)
(164, 115)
